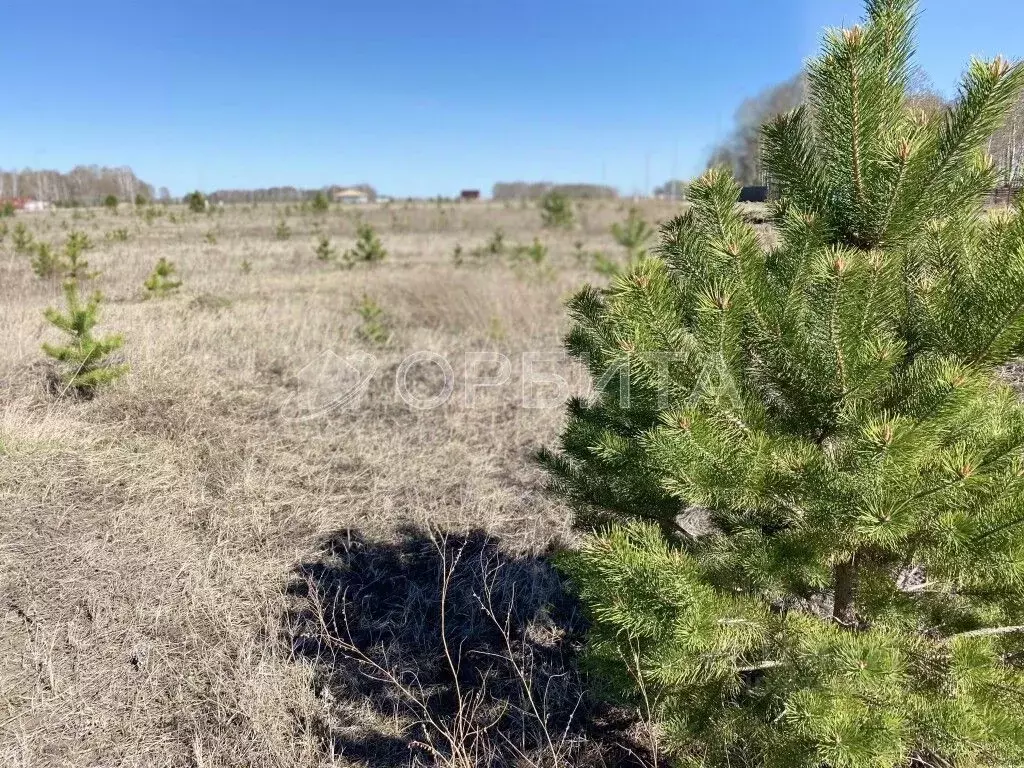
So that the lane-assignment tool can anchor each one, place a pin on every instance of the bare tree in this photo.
(741, 149)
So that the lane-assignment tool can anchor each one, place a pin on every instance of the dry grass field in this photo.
(159, 543)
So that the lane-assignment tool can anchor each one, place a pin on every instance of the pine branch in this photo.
(987, 632)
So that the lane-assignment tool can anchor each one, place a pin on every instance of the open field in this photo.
(148, 536)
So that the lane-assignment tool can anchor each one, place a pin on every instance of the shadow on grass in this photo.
(445, 649)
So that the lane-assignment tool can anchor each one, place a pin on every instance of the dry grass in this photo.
(148, 535)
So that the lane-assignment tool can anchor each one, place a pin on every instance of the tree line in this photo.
(283, 194)
(533, 190)
(740, 150)
(83, 184)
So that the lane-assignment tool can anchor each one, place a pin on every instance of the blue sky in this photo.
(418, 98)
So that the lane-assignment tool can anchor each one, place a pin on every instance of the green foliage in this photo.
(535, 253)
(605, 265)
(162, 280)
(556, 210)
(324, 251)
(119, 235)
(375, 327)
(283, 231)
(210, 237)
(368, 247)
(320, 203)
(493, 248)
(83, 359)
(46, 262)
(7, 210)
(496, 245)
(21, 239)
(810, 483)
(246, 267)
(196, 201)
(75, 246)
(110, 202)
(633, 234)
(141, 200)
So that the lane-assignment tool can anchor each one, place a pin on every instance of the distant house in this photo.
(25, 204)
(351, 196)
(469, 194)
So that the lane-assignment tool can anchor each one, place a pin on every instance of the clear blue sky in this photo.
(415, 97)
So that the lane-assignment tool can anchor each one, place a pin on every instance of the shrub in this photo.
(604, 265)
(141, 200)
(496, 245)
(46, 262)
(3, 232)
(283, 231)
(119, 235)
(375, 327)
(323, 250)
(320, 203)
(196, 201)
(6, 210)
(814, 477)
(556, 211)
(162, 280)
(76, 245)
(368, 247)
(633, 234)
(84, 358)
(110, 202)
(21, 239)
(536, 252)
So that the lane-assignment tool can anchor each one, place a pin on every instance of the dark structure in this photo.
(469, 194)
(754, 194)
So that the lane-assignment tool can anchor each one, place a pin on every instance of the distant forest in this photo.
(740, 149)
(531, 190)
(85, 184)
(283, 194)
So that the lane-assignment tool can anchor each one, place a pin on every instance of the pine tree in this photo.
(368, 247)
(323, 250)
(77, 267)
(22, 239)
(196, 201)
(320, 203)
(84, 357)
(556, 210)
(162, 280)
(810, 484)
(46, 262)
(633, 234)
